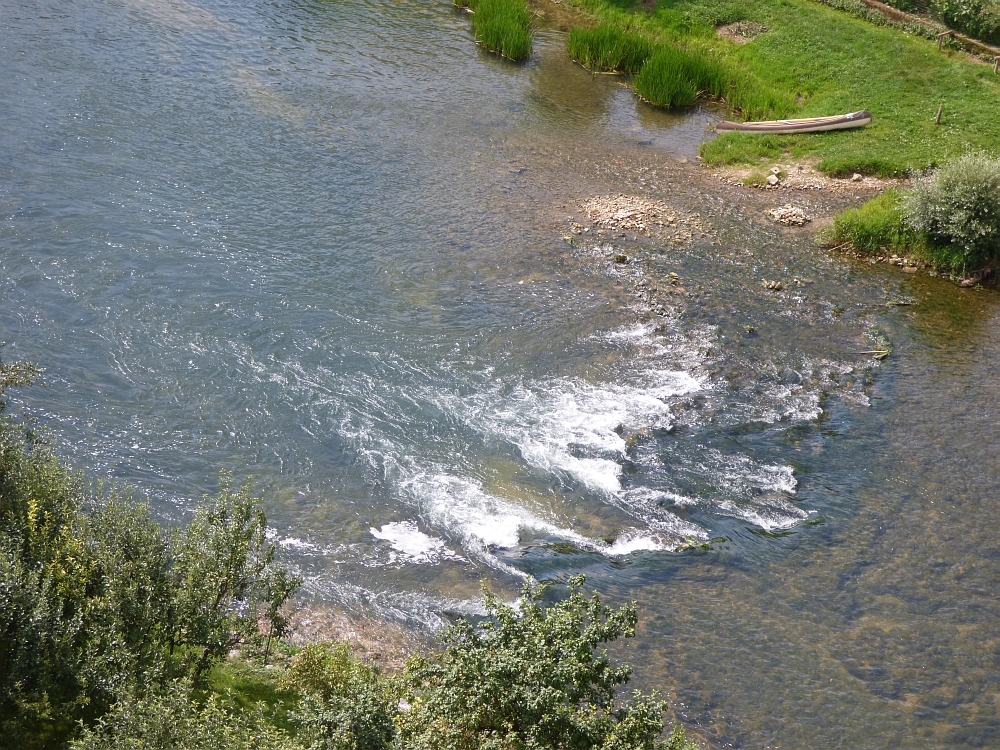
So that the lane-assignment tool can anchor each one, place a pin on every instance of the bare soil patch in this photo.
(741, 32)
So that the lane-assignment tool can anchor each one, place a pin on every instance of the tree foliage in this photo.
(225, 579)
(176, 720)
(96, 597)
(531, 678)
(347, 704)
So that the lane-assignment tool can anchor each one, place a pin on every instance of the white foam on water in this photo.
(636, 540)
(416, 607)
(575, 430)
(572, 427)
(780, 515)
(481, 521)
(484, 522)
(414, 545)
(300, 546)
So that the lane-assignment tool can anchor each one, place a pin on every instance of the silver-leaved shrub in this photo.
(958, 209)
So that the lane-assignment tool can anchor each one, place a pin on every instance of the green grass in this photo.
(877, 226)
(502, 26)
(609, 48)
(815, 60)
(670, 77)
(245, 685)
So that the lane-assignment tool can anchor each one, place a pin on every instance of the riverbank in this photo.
(824, 60)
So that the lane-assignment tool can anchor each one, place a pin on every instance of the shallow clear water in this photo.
(322, 244)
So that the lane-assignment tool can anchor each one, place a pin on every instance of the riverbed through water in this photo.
(336, 247)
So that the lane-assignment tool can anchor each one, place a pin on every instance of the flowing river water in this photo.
(336, 247)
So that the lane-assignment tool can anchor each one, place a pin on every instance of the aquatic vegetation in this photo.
(673, 77)
(502, 26)
(609, 48)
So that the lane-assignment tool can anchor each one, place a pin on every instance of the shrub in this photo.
(958, 209)
(533, 679)
(978, 18)
(226, 581)
(608, 47)
(94, 595)
(347, 704)
(82, 596)
(174, 720)
(879, 223)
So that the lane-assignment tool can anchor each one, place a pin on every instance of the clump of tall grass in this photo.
(675, 77)
(880, 224)
(501, 26)
(609, 48)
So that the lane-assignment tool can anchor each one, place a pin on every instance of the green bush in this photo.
(98, 602)
(530, 679)
(608, 47)
(977, 18)
(175, 720)
(347, 704)
(958, 210)
(226, 580)
(879, 223)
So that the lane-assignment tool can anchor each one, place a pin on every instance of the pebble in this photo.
(789, 216)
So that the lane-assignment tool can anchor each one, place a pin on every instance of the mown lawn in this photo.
(834, 63)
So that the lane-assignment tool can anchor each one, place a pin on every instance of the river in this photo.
(336, 247)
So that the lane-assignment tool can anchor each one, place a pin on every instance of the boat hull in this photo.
(810, 125)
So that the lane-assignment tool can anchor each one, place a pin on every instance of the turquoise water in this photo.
(324, 245)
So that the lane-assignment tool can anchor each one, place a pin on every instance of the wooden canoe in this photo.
(809, 125)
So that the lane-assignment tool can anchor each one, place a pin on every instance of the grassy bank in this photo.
(877, 227)
(501, 26)
(815, 60)
(951, 219)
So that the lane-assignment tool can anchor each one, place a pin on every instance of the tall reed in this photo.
(501, 26)
(609, 48)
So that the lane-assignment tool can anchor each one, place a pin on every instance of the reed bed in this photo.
(669, 75)
(502, 26)
(609, 48)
